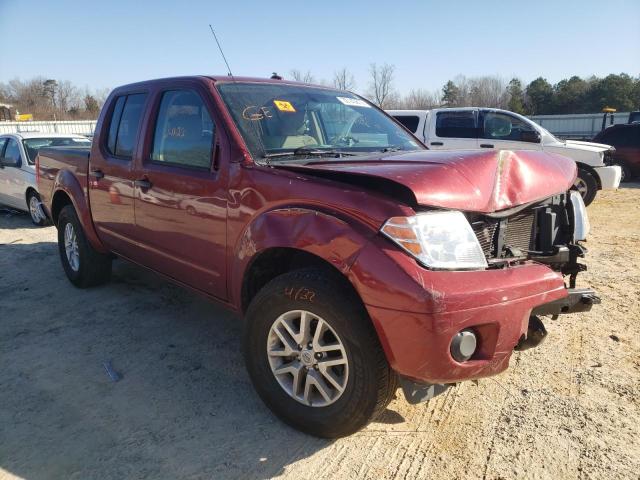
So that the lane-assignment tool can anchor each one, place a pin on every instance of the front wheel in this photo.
(84, 266)
(626, 172)
(313, 355)
(586, 186)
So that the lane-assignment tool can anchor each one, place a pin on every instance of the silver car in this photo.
(18, 187)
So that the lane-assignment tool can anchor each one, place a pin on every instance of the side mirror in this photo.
(9, 162)
(530, 136)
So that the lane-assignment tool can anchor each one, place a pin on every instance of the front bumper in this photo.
(417, 312)
(609, 176)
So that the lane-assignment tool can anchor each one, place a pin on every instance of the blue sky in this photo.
(105, 44)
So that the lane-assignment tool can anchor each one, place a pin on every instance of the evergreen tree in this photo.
(450, 94)
(516, 96)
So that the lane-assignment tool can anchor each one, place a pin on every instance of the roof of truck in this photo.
(223, 79)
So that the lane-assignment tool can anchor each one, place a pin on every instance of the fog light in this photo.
(463, 345)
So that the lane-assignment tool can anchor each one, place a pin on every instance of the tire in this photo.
(369, 383)
(626, 172)
(586, 185)
(84, 266)
(36, 213)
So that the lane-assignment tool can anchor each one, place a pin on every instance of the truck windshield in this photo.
(285, 121)
(32, 145)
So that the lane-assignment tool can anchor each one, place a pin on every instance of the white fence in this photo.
(82, 127)
(582, 125)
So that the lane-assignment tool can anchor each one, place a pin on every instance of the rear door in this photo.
(181, 190)
(504, 131)
(452, 129)
(111, 174)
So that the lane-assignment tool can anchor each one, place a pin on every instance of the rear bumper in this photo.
(417, 312)
(609, 176)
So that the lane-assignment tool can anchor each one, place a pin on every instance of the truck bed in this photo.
(53, 163)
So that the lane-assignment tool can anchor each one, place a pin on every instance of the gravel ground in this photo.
(184, 407)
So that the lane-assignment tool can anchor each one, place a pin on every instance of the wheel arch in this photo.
(282, 240)
(67, 191)
(592, 171)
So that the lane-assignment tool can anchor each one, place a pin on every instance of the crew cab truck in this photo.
(494, 129)
(360, 260)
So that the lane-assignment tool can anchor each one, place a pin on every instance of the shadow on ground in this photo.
(184, 406)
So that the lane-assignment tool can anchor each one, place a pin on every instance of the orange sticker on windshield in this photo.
(284, 106)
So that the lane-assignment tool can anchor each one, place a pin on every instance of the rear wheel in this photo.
(313, 355)
(35, 209)
(84, 266)
(586, 185)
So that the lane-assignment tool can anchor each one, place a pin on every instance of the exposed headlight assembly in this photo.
(439, 240)
(581, 225)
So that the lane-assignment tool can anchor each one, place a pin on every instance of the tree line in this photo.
(48, 99)
(539, 97)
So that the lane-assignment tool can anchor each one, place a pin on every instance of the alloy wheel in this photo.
(71, 247)
(307, 358)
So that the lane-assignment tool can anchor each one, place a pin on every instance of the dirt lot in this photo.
(184, 407)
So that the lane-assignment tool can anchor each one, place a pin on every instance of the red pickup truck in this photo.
(360, 260)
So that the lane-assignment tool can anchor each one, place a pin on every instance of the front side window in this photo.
(125, 121)
(184, 131)
(501, 126)
(285, 121)
(460, 124)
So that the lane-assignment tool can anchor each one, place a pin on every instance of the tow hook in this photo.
(536, 333)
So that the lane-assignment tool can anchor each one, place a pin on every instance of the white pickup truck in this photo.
(475, 128)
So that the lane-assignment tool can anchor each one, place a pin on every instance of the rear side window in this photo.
(184, 131)
(409, 121)
(456, 124)
(125, 121)
(622, 137)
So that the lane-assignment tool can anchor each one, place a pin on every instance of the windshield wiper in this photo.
(391, 148)
(306, 151)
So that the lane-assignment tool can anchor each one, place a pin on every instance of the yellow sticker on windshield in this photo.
(284, 106)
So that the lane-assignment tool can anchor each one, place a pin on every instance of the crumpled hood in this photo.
(474, 181)
(593, 147)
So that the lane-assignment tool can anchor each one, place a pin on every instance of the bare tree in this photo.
(381, 84)
(298, 76)
(421, 99)
(343, 80)
(48, 99)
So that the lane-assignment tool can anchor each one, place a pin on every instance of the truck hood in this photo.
(592, 147)
(471, 181)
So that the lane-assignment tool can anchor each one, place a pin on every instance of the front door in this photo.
(180, 202)
(12, 177)
(503, 131)
(111, 175)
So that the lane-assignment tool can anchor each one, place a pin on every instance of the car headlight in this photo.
(581, 225)
(441, 239)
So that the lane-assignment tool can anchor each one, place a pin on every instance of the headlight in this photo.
(581, 225)
(441, 240)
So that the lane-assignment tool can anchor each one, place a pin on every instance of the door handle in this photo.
(436, 143)
(143, 183)
(97, 174)
(486, 145)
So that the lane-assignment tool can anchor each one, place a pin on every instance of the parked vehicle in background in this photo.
(626, 140)
(358, 258)
(18, 152)
(493, 129)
